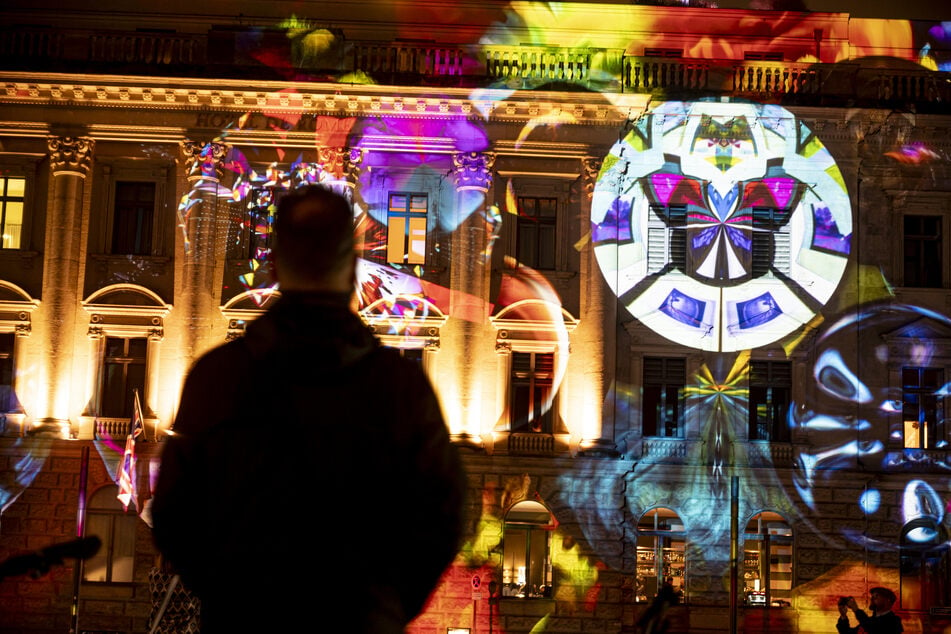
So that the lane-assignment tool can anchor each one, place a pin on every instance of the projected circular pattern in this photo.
(722, 226)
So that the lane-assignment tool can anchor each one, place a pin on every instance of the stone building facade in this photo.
(679, 276)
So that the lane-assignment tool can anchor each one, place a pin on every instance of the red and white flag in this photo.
(126, 476)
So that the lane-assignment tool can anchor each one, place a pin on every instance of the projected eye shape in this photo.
(723, 226)
(854, 413)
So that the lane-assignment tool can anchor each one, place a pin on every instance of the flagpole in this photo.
(80, 532)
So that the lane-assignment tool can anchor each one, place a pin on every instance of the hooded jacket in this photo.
(310, 475)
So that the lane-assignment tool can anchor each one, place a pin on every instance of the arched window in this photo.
(924, 564)
(106, 519)
(661, 553)
(767, 559)
(526, 557)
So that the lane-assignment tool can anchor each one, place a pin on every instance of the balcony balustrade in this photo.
(220, 54)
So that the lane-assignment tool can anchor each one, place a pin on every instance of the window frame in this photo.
(524, 185)
(409, 222)
(103, 503)
(126, 362)
(767, 540)
(776, 375)
(657, 544)
(143, 223)
(936, 430)
(533, 258)
(923, 267)
(537, 529)
(540, 382)
(4, 199)
(108, 173)
(671, 368)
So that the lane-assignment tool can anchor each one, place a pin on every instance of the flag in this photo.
(126, 476)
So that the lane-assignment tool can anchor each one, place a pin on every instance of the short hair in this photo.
(885, 593)
(313, 233)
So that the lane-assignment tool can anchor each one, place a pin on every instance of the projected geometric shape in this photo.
(722, 226)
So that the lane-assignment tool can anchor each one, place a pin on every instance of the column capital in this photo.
(472, 170)
(203, 160)
(590, 168)
(70, 155)
(342, 163)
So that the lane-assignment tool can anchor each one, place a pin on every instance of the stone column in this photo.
(18, 416)
(152, 370)
(469, 292)
(87, 421)
(204, 225)
(595, 333)
(63, 268)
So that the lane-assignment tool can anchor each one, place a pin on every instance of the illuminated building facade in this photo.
(679, 275)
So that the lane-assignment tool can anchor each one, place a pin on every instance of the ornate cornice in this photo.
(222, 103)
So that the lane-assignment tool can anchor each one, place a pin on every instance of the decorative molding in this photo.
(472, 170)
(203, 160)
(70, 155)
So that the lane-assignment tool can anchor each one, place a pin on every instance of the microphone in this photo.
(39, 563)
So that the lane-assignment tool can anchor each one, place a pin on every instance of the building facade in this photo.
(679, 276)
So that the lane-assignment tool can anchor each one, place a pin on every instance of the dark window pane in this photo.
(531, 383)
(922, 251)
(132, 219)
(769, 397)
(536, 232)
(663, 389)
(7, 399)
(123, 373)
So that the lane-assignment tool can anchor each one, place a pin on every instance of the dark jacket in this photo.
(888, 623)
(310, 475)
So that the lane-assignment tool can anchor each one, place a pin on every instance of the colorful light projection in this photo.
(877, 399)
(723, 226)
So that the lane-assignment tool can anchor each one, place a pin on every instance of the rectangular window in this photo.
(922, 251)
(254, 239)
(132, 218)
(770, 388)
(665, 381)
(923, 425)
(768, 561)
(8, 401)
(406, 228)
(527, 556)
(11, 212)
(123, 373)
(667, 238)
(531, 384)
(537, 220)
(114, 561)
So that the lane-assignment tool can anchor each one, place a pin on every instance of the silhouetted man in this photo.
(882, 619)
(310, 480)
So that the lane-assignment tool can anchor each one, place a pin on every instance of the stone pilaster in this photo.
(598, 314)
(64, 256)
(204, 224)
(469, 284)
